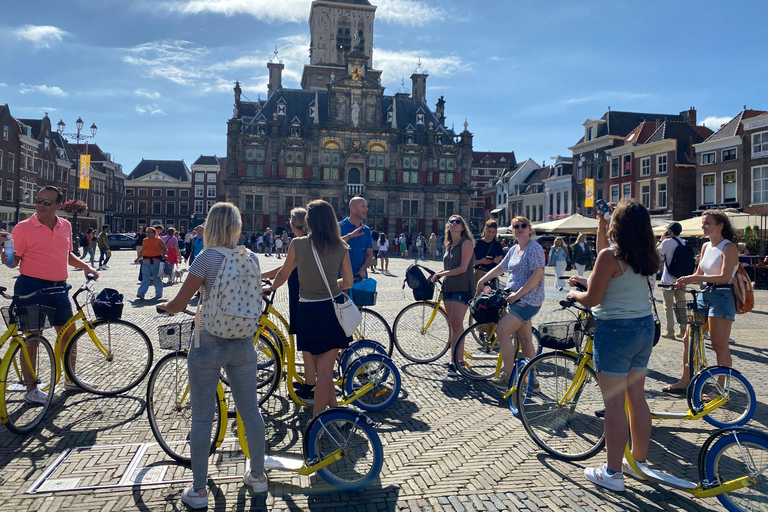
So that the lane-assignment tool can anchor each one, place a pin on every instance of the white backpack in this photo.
(233, 307)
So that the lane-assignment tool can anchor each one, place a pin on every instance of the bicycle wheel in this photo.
(363, 455)
(564, 426)
(417, 341)
(382, 373)
(374, 327)
(126, 361)
(736, 455)
(269, 369)
(20, 416)
(169, 408)
(357, 350)
(739, 408)
(476, 355)
(696, 359)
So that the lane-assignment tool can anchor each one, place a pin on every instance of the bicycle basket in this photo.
(175, 336)
(108, 305)
(424, 292)
(561, 335)
(29, 317)
(691, 312)
(487, 307)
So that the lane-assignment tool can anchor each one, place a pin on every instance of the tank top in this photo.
(625, 297)
(463, 282)
(311, 285)
(712, 261)
(151, 247)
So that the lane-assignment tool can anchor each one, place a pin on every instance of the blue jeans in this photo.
(623, 345)
(149, 273)
(204, 363)
(103, 258)
(89, 250)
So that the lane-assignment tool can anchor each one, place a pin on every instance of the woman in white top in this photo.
(383, 246)
(717, 265)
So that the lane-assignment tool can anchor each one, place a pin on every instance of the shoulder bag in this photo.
(348, 315)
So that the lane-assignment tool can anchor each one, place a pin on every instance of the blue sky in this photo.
(156, 76)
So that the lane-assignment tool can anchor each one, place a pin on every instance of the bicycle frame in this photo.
(13, 336)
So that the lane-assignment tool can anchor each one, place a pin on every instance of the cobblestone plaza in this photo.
(449, 444)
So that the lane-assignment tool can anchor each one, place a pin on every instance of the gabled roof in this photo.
(206, 160)
(734, 126)
(493, 159)
(297, 103)
(538, 176)
(641, 133)
(684, 133)
(97, 155)
(176, 169)
(406, 110)
(36, 126)
(621, 123)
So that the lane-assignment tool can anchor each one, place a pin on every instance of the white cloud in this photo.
(714, 122)
(41, 89)
(176, 61)
(397, 65)
(40, 35)
(149, 109)
(407, 12)
(153, 95)
(3, 84)
(263, 10)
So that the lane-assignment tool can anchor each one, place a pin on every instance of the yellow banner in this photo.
(85, 166)
(589, 199)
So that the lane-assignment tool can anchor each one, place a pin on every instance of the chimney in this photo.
(690, 116)
(440, 110)
(419, 86)
(275, 77)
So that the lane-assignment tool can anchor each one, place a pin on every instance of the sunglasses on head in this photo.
(454, 221)
(520, 226)
(46, 202)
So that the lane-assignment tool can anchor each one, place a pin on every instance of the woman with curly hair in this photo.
(617, 292)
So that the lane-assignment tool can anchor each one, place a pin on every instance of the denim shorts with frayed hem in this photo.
(623, 345)
(463, 297)
(721, 303)
(523, 311)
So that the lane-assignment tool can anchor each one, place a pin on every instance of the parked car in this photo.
(119, 241)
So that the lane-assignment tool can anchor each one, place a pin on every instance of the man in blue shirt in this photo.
(358, 237)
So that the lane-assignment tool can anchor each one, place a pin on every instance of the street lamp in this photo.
(77, 138)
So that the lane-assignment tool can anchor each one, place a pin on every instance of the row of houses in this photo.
(675, 167)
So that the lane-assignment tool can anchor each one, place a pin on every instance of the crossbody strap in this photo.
(320, 268)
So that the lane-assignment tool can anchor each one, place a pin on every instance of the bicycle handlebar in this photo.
(45, 291)
(163, 312)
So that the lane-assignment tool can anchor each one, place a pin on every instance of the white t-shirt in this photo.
(383, 247)
(279, 243)
(667, 252)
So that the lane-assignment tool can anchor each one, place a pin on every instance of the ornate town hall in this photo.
(340, 136)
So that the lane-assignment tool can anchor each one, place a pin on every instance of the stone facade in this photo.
(344, 139)
(486, 167)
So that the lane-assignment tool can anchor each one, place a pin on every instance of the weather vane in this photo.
(275, 57)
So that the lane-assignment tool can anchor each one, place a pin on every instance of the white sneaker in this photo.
(627, 469)
(600, 477)
(258, 484)
(36, 397)
(195, 499)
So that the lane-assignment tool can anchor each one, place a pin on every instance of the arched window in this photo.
(354, 175)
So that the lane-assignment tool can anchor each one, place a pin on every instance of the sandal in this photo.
(678, 388)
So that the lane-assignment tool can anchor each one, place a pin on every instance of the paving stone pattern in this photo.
(449, 445)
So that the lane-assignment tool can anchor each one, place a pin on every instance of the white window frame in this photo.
(659, 203)
(714, 184)
(624, 192)
(658, 164)
(645, 166)
(735, 152)
(211, 191)
(760, 168)
(211, 177)
(5, 132)
(199, 205)
(199, 191)
(9, 186)
(1, 161)
(617, 160)
(642, 185)
(735, 184)
(763, 146)
(199, 177)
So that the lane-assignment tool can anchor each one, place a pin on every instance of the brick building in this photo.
(486, 167)
(158, 192)
(340, 136)
(755, 178)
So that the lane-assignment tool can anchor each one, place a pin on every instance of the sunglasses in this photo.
(46, 202)
(520, 226)
(454, 221)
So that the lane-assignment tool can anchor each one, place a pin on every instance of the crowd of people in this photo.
(324, 257)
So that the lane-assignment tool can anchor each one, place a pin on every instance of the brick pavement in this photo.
(448, 444)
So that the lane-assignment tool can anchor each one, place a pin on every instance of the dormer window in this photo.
(281, 108)
(261, 128)
(419, 118)
(590, 133)
(389, 116)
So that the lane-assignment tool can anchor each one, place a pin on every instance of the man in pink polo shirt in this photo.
(43, 251)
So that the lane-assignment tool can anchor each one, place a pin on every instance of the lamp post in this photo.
(77, 138)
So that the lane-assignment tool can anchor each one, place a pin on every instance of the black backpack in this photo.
(682, 263)
(423, 288)
(83, 240)
(487, 307)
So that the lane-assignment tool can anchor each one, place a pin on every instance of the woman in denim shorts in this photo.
(525, 263)
(459, 283)
(717, 266)
(617, 292)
